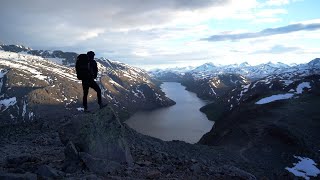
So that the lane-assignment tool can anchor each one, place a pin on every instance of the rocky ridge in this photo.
(57, 56)
(99, 146)
(35, 88)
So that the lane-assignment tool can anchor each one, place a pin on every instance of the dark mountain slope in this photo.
(269, 135)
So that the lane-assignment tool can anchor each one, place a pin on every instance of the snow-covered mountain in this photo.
(203, 79)
(272, 88)
(60, 57)
(207, 67)
(314, 63)
(33, 87)
(213, 87)
(209, 70)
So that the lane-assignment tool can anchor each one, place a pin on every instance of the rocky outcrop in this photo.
(97, 140)
(269, 134)
(99, 146)
(106, 146)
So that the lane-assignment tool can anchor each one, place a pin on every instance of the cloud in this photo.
(278, 49)
(266, 32)
(271, 12)
(277, 2)
(147, 32)
(56, 23)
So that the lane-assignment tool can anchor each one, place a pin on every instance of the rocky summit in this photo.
(100, 146)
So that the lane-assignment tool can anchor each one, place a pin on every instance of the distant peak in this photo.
(316, 59)
(208, 64)
(244, 64)
(315, 62)
(14, 47)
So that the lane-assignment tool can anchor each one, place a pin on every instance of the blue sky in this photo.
(156, 33)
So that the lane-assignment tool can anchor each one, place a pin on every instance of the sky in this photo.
(168, 33)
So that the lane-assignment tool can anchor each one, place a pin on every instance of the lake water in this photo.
(183, 121)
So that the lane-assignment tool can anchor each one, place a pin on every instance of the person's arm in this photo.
(95, 69)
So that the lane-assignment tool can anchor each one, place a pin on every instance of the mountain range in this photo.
(204, 79)
(36, 87)
(267, 114)
(58, 56)
(266, 120)
(208, 70)
(43, 134)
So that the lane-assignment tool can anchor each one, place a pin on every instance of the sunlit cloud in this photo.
(278, 49)
(151, 33)
(90, 34)
(266, 32)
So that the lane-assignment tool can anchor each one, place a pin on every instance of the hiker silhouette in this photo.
(87, 71)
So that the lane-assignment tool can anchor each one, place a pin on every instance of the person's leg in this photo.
(96, 87)
(85, 87)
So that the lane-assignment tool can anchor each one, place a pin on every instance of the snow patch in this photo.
(245, 88)
(270, 86)
(2, 73)
(139, 92)
(57, 60)
(115, 83)
(80, 109)
(274, 98)
(302, 86)
(231, 106)
(24, 109)
(31, 115)
(254, 85)
(6, 103)
(213, 91)
(287, 82)
(305, 168)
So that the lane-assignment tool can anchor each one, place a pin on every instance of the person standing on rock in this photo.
(87, 71)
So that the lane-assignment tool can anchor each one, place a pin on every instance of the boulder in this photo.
(99, 140)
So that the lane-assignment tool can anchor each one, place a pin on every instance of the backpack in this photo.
(82, 67)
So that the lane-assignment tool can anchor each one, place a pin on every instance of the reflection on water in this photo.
(182, 121)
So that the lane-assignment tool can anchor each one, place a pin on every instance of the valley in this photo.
(182, 121)
(266, 119)
(270, 120)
